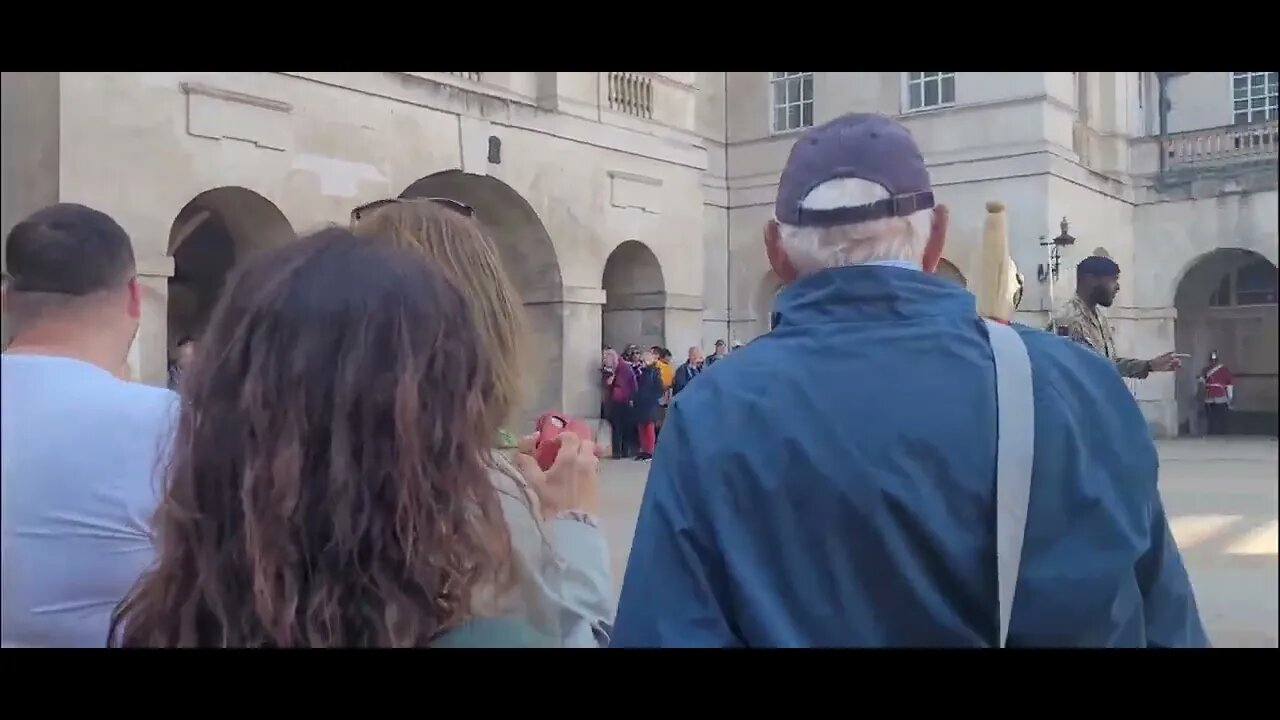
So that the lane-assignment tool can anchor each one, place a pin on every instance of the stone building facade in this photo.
(629, 206)
(1184, 199)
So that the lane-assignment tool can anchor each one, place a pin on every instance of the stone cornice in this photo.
(657, 142)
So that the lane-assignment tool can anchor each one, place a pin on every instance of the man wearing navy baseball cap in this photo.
(1082, 319)
(853, 478)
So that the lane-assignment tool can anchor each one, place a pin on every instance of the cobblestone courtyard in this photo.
(1221, 496)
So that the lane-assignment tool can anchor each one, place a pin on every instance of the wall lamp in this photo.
(1044, 271)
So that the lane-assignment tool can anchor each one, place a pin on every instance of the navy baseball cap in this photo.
(863, 146)
(1098, 266)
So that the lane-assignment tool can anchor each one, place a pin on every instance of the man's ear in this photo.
(937, 239)
(135, 298)
(778, 259)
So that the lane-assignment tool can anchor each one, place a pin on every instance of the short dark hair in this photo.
(720, 342)
(68, 249)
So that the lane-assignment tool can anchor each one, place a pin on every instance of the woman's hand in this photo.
(572, 483)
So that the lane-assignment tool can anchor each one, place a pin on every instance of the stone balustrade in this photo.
(631, 93)
(1221, 145)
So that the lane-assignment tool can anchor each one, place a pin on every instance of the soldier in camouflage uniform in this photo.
(1082, 319)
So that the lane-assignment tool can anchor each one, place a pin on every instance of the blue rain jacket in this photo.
(833, 484)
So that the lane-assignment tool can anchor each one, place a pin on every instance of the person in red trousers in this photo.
(649, 391)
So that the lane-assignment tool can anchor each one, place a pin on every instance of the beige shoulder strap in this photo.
(1015, 427)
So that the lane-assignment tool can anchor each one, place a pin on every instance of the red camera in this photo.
(548, 428)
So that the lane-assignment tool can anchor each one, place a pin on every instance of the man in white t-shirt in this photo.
(81, 447)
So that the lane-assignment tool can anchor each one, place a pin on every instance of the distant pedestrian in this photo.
(721, 349)
(687, 371)
(668, 373)
(622, 426)
(1217, 391)
(662, 359)
(608, 365)
(648, 397)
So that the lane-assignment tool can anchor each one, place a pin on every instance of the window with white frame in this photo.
(792, 94)
(930, 89)
(1255, 95)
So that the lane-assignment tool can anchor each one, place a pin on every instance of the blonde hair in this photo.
(811, 249)
(467, 256)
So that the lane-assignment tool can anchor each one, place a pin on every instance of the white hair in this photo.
(811, 249)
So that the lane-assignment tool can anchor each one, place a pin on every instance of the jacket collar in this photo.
(870, 293)
(1084, 308)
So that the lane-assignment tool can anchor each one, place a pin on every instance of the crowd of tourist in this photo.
(329, 469)
(635, 401)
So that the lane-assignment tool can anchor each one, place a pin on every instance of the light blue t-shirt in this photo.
(81, 476)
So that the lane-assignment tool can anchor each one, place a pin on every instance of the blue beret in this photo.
(1098, 266)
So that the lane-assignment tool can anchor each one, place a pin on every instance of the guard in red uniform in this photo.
(1217, 392)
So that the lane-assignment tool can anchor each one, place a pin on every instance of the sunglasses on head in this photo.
(460, 208)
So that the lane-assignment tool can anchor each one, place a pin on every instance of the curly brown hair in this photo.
(463, 250)
(327, 485)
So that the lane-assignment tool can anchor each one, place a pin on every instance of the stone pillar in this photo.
(564, 330)
(543, 378)
(149, 354)
(683, 321)
(581, 309)
(744, 326)
(715, 324)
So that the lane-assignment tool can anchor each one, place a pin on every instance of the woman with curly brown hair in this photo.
(327, 486)
(561, 559)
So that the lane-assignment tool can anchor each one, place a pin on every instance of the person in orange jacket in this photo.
(667, 372)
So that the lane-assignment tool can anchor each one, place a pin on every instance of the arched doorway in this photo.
(1226, 301)
(635, 298)
(214, 231)
(947, 269)
(766, 293)
(529, 258)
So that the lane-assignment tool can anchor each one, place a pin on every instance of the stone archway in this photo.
(214, 231)
(635, 298)
(529, 258)
(947, 269)
(1226, 301)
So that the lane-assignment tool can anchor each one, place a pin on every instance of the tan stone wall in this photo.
(142, 146)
